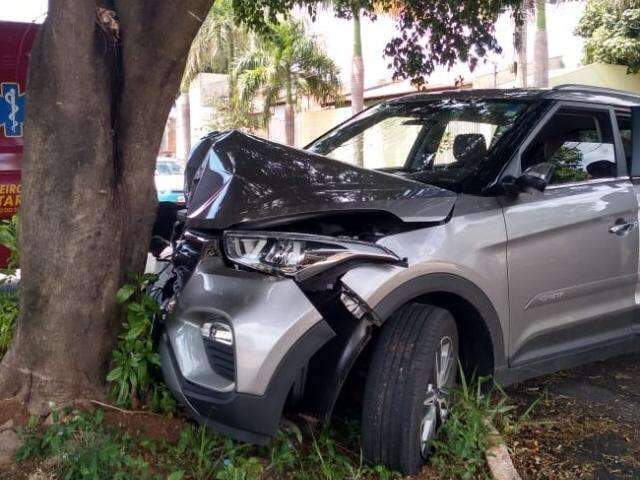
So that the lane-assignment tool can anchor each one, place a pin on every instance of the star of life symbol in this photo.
(11, 109)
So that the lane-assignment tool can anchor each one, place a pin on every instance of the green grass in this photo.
(462, 442)
(82, 446)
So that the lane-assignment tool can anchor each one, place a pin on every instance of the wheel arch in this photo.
(477, 320)
(470, 306)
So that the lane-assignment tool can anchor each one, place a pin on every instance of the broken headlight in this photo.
(298, 255)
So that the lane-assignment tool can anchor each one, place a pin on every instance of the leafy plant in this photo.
(134, 359)
(9, 300)
(10, 238)
(9, 310)
(464, 438)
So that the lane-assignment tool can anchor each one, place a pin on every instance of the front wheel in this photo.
(407, 394)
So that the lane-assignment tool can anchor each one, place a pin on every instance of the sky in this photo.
(23, 10)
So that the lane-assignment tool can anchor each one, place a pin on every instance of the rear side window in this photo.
(579, 143)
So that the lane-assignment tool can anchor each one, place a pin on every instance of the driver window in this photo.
(579, 143)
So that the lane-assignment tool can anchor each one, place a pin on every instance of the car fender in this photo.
(383, 300)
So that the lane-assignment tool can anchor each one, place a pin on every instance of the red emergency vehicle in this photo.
(16, 40)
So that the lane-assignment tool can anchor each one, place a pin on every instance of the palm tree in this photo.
(392, 8)
(520, 43)
(285, 61)
(218, 42)
(213, 50)
(357, 66)
(541, 47)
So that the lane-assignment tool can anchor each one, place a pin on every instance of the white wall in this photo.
(202, 91)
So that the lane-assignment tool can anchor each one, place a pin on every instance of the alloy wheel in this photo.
(436, 403)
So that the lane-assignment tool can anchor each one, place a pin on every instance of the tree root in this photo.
(122, 410)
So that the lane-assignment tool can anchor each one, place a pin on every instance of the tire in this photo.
(401, 390)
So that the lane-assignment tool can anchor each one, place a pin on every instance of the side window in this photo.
(579, 143)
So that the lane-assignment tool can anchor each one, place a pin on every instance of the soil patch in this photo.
(586, 424)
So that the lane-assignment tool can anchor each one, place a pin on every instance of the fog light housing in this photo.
(217, 332)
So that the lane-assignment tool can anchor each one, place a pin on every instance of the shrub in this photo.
(9, 299)
(134, 359)
(9, 310)
(9, 237)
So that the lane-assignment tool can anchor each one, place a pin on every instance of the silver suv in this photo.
(495, 230)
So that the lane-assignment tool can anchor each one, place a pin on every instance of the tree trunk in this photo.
(289, 115)
(97, 109)
(357, 67)
(520, 41)
(541, 48)
(357, 85)
(183, 126)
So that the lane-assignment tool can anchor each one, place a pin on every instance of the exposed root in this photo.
(122, 410)
(41, 393)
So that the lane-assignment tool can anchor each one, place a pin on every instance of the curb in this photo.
(498, 458)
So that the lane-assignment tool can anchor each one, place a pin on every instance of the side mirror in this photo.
(536, 177)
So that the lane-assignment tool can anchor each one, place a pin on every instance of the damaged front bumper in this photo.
(239, 389)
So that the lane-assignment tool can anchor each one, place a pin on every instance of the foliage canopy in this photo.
(612, 32)
(437, 32)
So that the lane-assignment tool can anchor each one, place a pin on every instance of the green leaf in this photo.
(177, 475)
(114, 374)
(136, 331)
(125, 293)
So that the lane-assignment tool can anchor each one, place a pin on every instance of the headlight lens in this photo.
(298, 255)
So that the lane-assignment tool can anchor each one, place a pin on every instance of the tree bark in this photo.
(357, 85)
(289, 115)
(541, 48)
(357, 67)
(521, 34)
(97, 108)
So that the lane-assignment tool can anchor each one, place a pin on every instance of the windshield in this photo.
(168, 168)
(440, 142)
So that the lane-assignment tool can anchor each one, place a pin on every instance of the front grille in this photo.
(221, 358)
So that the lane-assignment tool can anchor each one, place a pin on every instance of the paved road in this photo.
(586, 423)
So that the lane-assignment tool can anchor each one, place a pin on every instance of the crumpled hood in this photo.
(236, 178)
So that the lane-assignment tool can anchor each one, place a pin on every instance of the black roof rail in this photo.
(595, 89)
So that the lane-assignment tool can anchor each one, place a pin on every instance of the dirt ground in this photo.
(586, 424)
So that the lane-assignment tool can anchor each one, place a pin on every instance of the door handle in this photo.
(622, 227)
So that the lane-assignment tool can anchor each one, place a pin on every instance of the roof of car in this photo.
(575, 93)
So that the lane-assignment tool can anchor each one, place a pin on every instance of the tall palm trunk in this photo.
(289, 114)
(541, 48)
(183, 126)
(357, 67)
(521, 34)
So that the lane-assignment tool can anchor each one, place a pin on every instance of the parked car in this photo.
(169, 178)
(498, 231)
